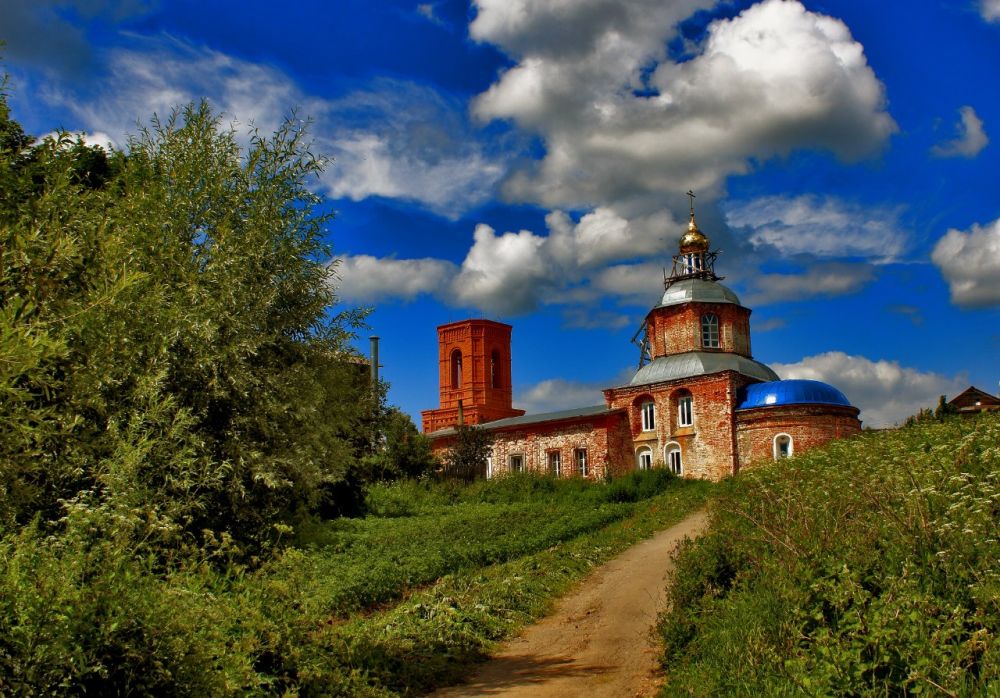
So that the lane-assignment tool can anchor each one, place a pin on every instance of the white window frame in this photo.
(685, 411)
(774, 446)
(711, 336)
(647, 411)
(582, 467)
(516, 458)
(489, 466)
(644, 454)
(676, 465)
(554, 460)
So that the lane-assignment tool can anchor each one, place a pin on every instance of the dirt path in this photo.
(598, 641)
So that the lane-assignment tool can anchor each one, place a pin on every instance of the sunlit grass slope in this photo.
(868, 567)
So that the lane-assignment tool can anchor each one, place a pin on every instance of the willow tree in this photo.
(170, 353)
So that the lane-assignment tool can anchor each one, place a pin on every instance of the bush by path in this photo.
(868, 567)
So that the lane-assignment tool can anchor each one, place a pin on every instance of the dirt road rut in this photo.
(598, 641)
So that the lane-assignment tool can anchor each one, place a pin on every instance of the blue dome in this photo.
(790, 392)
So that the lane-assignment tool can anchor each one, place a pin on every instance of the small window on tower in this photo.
(782, 446)
(495, 369)
(710, 331)
(456, 369)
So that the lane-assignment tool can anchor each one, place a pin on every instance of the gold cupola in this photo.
(693, 240)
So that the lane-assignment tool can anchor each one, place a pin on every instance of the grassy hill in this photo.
(868, 567)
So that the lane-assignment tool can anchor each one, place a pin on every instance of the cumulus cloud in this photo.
(363, 278)
(395, 139)
(970, 138)
(885, 392)
(821, 280)
(820, 226)
(623, 124)
(970, 261)
(557, 394)
(990, 10)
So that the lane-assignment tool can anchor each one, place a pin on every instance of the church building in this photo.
(699, 404)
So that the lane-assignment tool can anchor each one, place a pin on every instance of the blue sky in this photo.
(526, 161)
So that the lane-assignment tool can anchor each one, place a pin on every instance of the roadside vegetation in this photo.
(868, 567)
(185, 432)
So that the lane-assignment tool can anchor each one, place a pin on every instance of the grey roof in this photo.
(699, 291)
(699, 363)
(594, 411)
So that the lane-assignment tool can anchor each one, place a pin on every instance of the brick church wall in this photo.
(599, 436)
(808, 425)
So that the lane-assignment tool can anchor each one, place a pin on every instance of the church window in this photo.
(710, 331)
(456, 369)
(685, 411)
(674, 459)
(517, 463)
(580, 455)
(782, 446)
(644, 458)
(555, 464)
(495, 369)
(648, 411)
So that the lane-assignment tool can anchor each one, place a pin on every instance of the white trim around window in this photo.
(648, 411)
(685, 411)
(644, 458)
(673, 458)
(782, 446)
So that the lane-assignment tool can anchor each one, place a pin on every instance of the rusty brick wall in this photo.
(808, 425)
(477, 340)
(677, 328)
(708, 446)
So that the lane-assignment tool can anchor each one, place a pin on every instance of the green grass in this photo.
(868, 567)
(395, 603)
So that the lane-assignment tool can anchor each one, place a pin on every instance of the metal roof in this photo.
(790, 392)
(697, 291)
(593, 411)
(699, 363)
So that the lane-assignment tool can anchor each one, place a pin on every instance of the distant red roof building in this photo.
(973, 400)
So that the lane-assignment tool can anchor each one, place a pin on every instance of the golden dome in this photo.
(693, 240)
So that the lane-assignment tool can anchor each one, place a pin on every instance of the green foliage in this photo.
(434, 591)
(867, 567)
(466, 460)
(168, 353)
(401, 451)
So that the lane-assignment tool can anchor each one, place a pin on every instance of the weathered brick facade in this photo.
(687, 410)
(807, 425)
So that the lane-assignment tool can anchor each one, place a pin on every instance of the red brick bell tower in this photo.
(474, 375)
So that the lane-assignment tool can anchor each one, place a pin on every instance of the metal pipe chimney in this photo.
(374, 362)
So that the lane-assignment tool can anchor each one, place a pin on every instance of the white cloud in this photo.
(636, 284)
(394, 139)
(971, 137)
(557, 394)
(504, 273)
(820, 226)
(363, 278)
(990, 10)
(885, 392)
(774, 79)
(821, 280)
(970, 261)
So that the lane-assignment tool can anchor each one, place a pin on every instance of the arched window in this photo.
(495, 369)
(673, 452)
(710, 331)
(648, 412)
(685, 408)
(782, 446)
(644, 458)
(456, 369)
